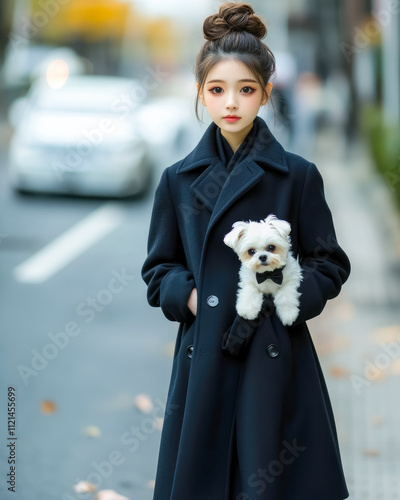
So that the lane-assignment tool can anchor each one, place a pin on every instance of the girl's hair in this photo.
(235, 32)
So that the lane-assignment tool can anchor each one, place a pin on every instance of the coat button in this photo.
(189, 351)
(272, 350)
(212, 300)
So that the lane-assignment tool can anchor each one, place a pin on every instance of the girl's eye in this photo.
(271, 248)
(251, 251)
(248, 90)
(216, 90)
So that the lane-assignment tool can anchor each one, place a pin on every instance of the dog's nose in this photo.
(263, 258)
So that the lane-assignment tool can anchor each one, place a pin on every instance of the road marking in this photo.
(69, 245)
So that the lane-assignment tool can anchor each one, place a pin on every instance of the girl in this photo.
(259, 425)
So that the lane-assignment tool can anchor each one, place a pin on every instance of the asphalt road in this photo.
(85, 339)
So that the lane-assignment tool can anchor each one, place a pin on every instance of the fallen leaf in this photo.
(47, 406)
(92, 431)
(143, 403)
(387, 334)
(151, 484)
(84, 487)
(329, 345)
(382, 375)
(345, 311)
(159, 422)
(170, 349)
(371, 453)
(109, 495)
(376, 421)
(339, 371)
(395, 367)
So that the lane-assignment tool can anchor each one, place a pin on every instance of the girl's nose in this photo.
(231, 102)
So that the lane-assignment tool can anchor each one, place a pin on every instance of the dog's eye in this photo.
(271, 248)
(251, 251)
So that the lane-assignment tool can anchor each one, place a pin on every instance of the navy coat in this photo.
(258, 426)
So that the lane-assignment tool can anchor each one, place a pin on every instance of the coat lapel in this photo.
(242, 178)
(208, 185)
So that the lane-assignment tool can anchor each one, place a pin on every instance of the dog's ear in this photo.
(231, 239)
(282, 226)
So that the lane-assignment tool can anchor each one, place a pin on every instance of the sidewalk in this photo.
(358, 334)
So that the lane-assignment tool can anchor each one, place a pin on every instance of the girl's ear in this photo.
(268, 89)
(201, 96)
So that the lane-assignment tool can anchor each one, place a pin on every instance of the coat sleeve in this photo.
(169, 282)
(324, 264)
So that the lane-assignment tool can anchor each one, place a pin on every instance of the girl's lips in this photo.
(231, 118)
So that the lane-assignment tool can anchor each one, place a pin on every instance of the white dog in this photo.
(268, 267)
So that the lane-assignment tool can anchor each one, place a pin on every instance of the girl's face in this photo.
(233, 97)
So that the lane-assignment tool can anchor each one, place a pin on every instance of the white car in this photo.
(171, 129)
(81, 139)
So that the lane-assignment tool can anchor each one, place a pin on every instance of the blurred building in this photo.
(360, 38)
(5, 25)
(5, 28)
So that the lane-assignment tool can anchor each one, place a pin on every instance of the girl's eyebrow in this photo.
(223, 81)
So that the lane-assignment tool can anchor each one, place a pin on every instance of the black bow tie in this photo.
(276, 276)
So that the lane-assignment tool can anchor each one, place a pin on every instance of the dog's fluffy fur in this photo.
(265, 246)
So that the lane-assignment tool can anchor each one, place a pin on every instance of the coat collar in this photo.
(266, 151)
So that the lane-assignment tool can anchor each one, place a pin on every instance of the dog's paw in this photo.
(287, 316)
(248, 311)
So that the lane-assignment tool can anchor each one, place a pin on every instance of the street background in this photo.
(89, 358)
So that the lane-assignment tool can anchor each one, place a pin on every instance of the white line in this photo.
(69, 245)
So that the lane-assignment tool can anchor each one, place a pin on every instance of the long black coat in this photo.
(258, 426)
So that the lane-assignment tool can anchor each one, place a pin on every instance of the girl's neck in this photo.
(235, 139)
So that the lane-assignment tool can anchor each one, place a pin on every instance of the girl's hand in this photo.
(192, 302)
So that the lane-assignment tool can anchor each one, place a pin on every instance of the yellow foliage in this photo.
(91, 19)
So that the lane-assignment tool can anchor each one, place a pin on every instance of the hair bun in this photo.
(233, 17)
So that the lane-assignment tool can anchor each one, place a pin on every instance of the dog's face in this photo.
(260, 246)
